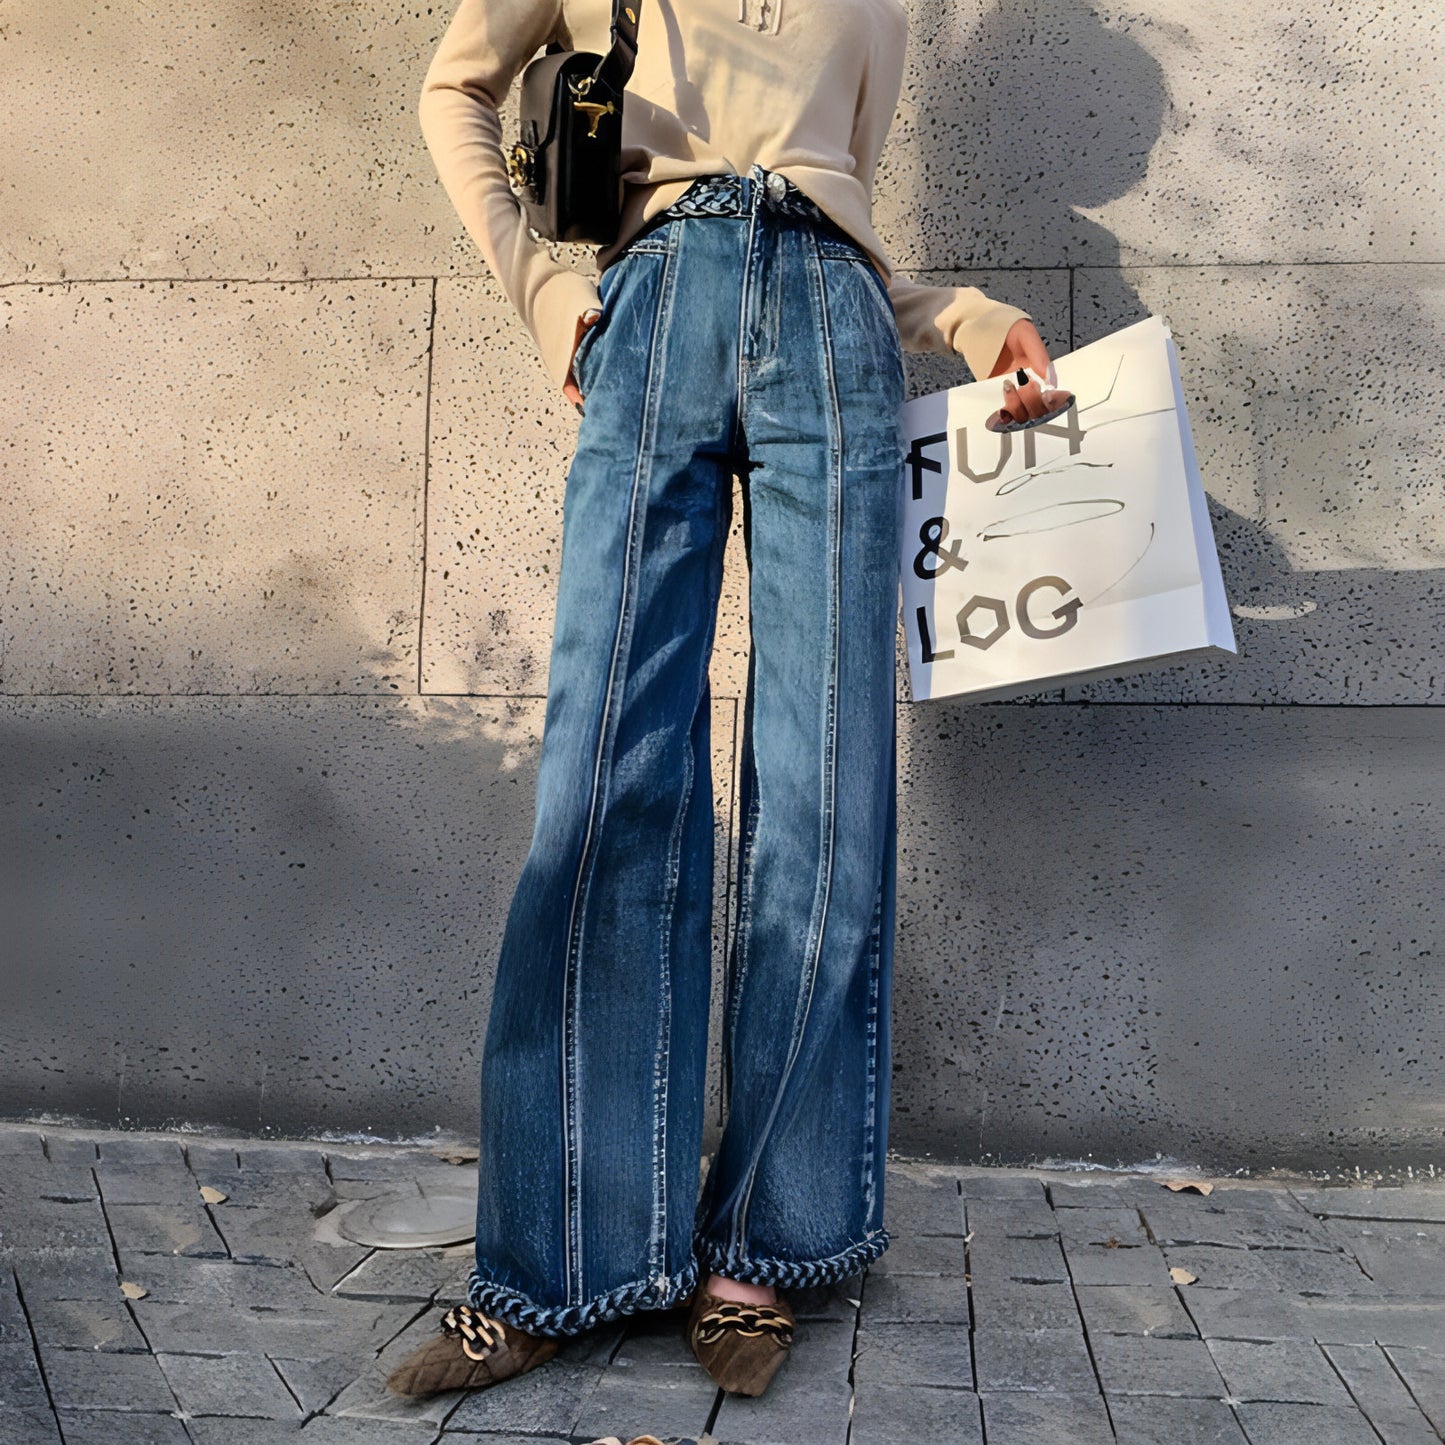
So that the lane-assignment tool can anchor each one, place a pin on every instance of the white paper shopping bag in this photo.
(1078, 549)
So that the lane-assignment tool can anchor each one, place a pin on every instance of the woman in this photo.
(746, 320)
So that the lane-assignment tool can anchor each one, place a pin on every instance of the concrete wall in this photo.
(281, 514)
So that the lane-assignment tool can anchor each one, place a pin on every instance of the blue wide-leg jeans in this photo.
(762, 344)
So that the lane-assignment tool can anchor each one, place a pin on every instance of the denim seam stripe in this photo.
(743, 933)
(586, 864)
(828, 781)
(870, 1119)
(657, 1256)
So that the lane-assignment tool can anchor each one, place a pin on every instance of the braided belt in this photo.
(750, 1321)
(730, 195)
(472, 1326)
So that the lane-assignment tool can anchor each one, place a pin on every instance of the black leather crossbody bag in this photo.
(567, 167)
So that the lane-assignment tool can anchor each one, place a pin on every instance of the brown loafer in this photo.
(472, 1351)
(739, 1345)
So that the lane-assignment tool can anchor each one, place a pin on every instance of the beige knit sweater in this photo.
(804, 87)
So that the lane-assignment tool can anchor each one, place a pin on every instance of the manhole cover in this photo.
(413, 1220)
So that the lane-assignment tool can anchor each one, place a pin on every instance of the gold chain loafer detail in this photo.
(471, 1351)
(739, 1345)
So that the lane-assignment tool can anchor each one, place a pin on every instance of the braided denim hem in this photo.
(522, 1313)
(790, 1273)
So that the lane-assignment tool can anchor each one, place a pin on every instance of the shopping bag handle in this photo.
(1001, 421)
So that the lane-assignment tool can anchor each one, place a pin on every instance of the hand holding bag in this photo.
(566, 169)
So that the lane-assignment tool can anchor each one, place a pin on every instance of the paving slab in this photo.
(1219, 1266)
(546, 1401)
(1016, 1258)
(1135, 1310)
(366, 1397)
(19, 1142)
(1027, 1216)
(1173, 1222)
(628, 1403)
(178, 1228)
(830, 1302)
(93, 1380)
(916, 1299)
(1024, 1304)
(187, 1279)
(76, 1150)
(896, 1354)
(1017, 1418)
(1138, 1365)
(219, 1430)
(229, 1385)
(104, 1324)
(168, 1182)
(922, 1254)
(1110, 1226)
(1396, 1256)
(922, 1205)
(995, 1184)
(1423, 1371)
(1379, 1391)
(22, 1389)
(51, 1223)
(1289, 1371)
(114, 1427)
(78, 1274)
(415, 1274)
(1160, 1420)
(915, 1415)
(316, 1383)
(1294, 1424)
(1420, 1203)
(1249, 1314)
(1053, 1360)
(1139, 1264)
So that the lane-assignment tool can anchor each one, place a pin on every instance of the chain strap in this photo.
(471, 1326)
(751, 1321)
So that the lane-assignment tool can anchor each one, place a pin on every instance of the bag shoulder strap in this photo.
(616, 67)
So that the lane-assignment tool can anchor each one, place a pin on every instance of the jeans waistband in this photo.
(739, 195)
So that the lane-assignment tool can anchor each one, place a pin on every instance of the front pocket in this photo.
(879, 288)
(606, 286)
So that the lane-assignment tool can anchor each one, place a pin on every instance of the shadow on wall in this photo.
(256, 912)
(1011, 122)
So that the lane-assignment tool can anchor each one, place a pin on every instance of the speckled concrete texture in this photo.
(1317, 423)
(212, 487)
(280, 913)
(1213, 932)
(279, 522)
(1049, 133)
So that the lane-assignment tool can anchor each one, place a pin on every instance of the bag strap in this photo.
(616, 67)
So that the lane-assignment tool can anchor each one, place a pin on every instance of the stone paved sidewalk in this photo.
(1015, 1308)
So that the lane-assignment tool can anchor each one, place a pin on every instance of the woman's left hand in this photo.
(1023, 346)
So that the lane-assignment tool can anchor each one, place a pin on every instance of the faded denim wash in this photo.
(762, 344)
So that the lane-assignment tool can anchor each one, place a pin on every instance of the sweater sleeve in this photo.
(483, 50)
(953, 318)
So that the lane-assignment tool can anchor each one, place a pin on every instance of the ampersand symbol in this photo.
(932, 534)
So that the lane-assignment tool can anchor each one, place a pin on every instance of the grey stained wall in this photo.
(282, 481)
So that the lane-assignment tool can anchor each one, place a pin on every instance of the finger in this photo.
(1035, 353)
(1032, 397)
(1011, 403)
